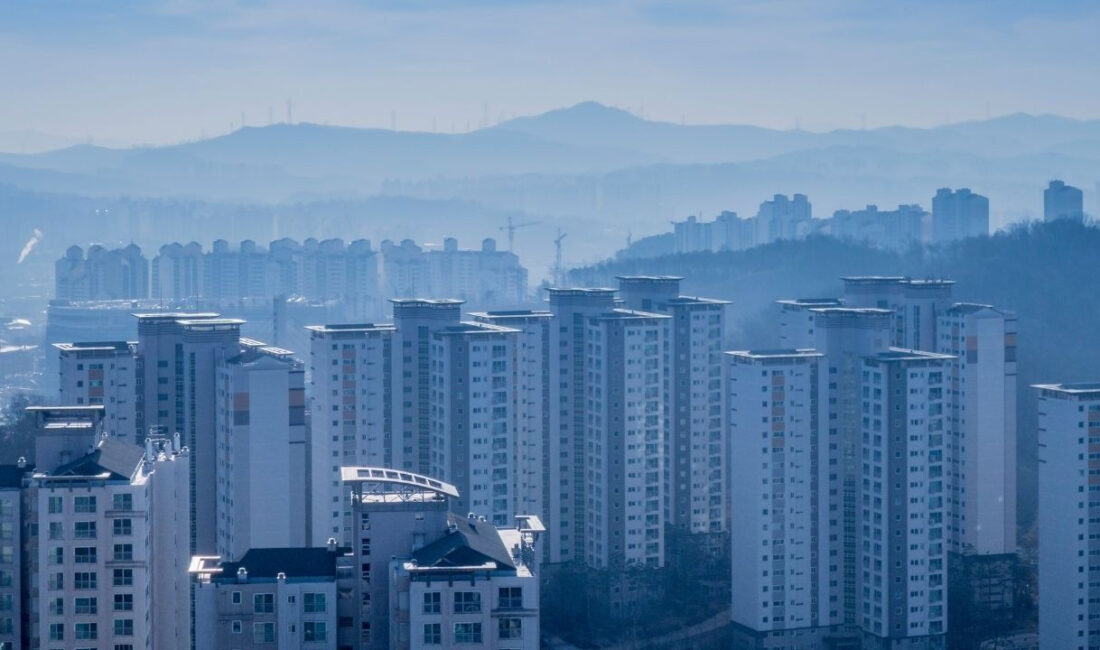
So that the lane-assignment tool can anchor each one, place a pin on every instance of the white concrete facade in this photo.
(102, 373)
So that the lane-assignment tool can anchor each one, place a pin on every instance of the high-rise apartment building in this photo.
(695, 452)
(917, 305)
(892, 229)
(1061, 201)
(107, 548)
(958, 214)
(783, 218)
(352, 384)
(177, 272)
(261, 452)
(472, 403)
(531, 411)
(903, 510)
(624, 439)
(11, 554)
(982, 442)
(101, 274)
(779, 472)
(102, 373)
(796, 320)
(568, 394)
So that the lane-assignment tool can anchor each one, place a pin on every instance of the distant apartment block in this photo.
(958, 214)
(917, 305)
(101, 274)
(485, 277)
(1061, 201)
(892, 229)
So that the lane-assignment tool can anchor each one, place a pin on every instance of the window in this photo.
(84, 580)
(467, 601)
(313, 602)
(124, 602)
(124, 552)
(123, 527)
(54, 505)
(236, 598)
(84, 504)
(124, 646)
(84, 530)
(84, 554)
(433, 634)
(510, 597)
(122, 502)
(263, 603)
(467, 632)
(314, 631)
(511, 628)
(123, 577)
(57, 631)
(263, 633)
(86, 631)
(235, 627)
(86, 606)
(124, 627)
(56, 530)
(431, 602)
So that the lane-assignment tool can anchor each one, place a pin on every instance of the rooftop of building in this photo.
(901, 354)
(11, 476)
(628, 314)
(266, 564)
(1077, 388)
(94, 346)
(264, 356)
(201, 323)
(648, 279)
(473, 327)
(351, 327)
(895, 280)
(780, 353)
(513, 313)
(111, 460)
(580, 291)
(427, 302)
(383, 480)
(696, 300)
(176, 315)
(852, 311)
(811, 302)
(469, 542)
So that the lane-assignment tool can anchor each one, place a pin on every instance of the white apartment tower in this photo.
(917, 304)
(796, 321)
(568, 367)
(779, 472)
(903, 508)
(531, 408)
(624, 465)
(102, 373)
(695, 453)
(982, 449)
(261, 452)
(1069, 516)
(108, 550)
(472, 400)
(11, 554)
(352, 385)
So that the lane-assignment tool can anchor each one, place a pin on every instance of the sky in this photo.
(160, 71)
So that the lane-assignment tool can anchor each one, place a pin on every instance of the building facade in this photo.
(102, 373)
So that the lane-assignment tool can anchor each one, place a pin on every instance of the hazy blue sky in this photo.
(155, 71)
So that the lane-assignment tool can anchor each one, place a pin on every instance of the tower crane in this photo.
(512, 227)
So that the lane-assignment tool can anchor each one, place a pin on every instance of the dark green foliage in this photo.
(17, 429)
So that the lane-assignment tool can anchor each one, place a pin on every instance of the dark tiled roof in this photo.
(474, 542)
(120, 459)
(293, 562)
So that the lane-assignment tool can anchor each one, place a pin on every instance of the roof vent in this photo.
(280, 576)
(471, 515)
(21, 463)
(331, 544)
(242, 575)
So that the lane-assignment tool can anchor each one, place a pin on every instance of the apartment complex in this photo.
(1069, 515)
(106, 551)
(102, 373)
(485, 277)
(958, 214)
(260, 438)
(1061, 201)
(101, 274)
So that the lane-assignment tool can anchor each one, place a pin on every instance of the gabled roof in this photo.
(472, 543)
(293, 562)
(119, 459)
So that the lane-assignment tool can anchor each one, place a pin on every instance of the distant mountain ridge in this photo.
(285, 162)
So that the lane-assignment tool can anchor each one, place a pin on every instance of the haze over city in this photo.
(752, 325)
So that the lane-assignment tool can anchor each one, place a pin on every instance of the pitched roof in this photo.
(119, 459)
(472, 542)
(293, 562)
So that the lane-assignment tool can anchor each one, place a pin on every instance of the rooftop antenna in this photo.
(558, 272)
(512, 227)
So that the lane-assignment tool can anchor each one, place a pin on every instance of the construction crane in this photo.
(512, 227)
(559, 273)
